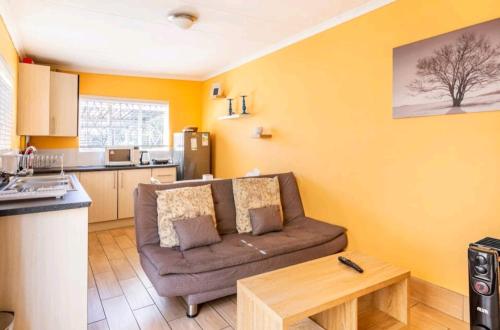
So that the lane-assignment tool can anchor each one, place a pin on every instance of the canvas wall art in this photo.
(454, 73)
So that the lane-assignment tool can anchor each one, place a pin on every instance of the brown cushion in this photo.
(196, 232)
(265, 219)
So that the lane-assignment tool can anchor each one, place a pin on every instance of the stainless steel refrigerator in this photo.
(192, 153)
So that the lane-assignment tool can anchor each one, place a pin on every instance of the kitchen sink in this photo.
(34, 187)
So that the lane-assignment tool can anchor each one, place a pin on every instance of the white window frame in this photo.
(166, 137)
(7, 77)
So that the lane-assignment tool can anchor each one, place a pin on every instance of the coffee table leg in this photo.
(343, 317)
(393, 300)
(253, 315)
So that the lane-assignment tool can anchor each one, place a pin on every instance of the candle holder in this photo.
(243, 105)
(230, 109)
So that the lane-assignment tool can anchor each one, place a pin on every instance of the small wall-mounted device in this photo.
(216, 91)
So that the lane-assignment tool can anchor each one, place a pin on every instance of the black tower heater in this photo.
(483, 284)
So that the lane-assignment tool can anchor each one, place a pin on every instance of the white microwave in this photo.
(121, 156)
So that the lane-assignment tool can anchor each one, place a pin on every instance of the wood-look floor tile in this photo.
(184, 323)
(124, 242)
(99, 264)
(149, 318)
(113, 251)
(122, 269)
(136, 294)
(227, 308)
(92, 237)
(117, 232)
(118, 314)
(209, 319)
(90, 277)
(95, 249)
(100, 325)
(170, 308)
(130, 232)
(107, 285)
(105, 237)
(133, 258)
(94, 308)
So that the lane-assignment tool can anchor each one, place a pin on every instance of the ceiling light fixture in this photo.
(182, 20)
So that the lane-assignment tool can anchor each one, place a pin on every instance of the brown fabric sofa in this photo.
(206, 273)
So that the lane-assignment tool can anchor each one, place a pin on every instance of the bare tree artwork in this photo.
(472, 62)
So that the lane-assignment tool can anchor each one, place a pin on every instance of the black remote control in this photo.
(350, 263)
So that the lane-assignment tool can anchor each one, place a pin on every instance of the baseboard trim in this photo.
(98, 226)
(446, 301)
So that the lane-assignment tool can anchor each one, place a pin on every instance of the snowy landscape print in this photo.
(457, 72)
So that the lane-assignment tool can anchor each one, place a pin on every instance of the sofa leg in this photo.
(192, 311)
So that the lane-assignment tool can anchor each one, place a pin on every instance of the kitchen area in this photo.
(51, 198)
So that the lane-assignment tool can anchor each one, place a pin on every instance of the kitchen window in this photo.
(6, 107)
(121, 122)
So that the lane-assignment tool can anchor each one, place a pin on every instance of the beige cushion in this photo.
(252, 193)
(178, 204)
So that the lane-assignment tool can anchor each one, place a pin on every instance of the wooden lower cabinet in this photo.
(112, 191)
(128, 181)
(102, 187)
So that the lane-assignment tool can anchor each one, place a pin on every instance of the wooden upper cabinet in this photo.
(63, 104)
(47, 102)
(33, 99)
(128, 181)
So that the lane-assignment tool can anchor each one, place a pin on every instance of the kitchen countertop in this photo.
(73, 199)
(92, 168)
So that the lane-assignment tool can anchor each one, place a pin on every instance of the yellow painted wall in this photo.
(412, 191)
(184, 99)
(9, 54)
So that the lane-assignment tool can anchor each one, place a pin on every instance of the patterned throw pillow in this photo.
(179, 204)
(252, 193)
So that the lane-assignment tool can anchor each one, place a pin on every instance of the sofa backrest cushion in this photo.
(146, 215)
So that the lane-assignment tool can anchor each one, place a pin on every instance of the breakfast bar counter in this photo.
(43, 260)
(77, 198)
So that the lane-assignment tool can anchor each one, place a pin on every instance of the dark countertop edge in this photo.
(94, 168)
(72, 200)
(43, 208)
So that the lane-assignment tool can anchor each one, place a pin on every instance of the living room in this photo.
(337, 106)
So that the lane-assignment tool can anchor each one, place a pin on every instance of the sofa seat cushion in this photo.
(236, 249)
(194, 286)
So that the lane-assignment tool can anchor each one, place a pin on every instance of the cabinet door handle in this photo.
(121, 180)
(52, 125)
(114, 180)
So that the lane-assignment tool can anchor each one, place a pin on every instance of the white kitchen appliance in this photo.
(121, 156)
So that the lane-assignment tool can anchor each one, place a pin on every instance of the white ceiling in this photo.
(134, 37)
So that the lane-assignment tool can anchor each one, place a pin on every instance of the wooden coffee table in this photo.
(331, 294)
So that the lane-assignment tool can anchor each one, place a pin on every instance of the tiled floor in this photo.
(120, 296)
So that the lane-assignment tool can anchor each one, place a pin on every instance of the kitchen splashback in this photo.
(79, 157)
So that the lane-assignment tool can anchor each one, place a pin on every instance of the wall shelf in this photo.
(262, 136)
(234, 116)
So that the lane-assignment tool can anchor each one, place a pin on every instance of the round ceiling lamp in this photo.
(182, 20)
